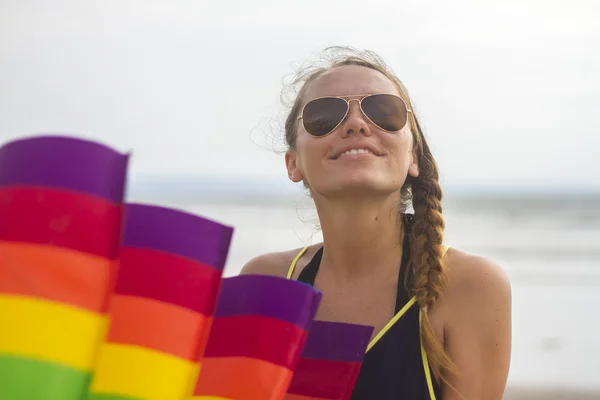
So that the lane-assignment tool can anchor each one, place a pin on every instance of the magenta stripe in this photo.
(269, 296)
(337, 341)
(64, 163)
(177, 232)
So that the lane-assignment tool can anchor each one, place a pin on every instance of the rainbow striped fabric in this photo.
(102, 300)
(258, 334)
(330, 362)
(169, 277)
(60, 222)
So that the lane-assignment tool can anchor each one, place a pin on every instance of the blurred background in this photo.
(508, 93)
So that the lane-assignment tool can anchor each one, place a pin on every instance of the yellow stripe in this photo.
(49, 331)
(425, 361)
(141, 373)
(295, 261)
(391, 323)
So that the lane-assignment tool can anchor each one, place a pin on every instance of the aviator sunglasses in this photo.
(323, 115)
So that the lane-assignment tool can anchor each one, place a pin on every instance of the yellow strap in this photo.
(425, 361)
(398, 315)
(143, 373)
(50, 331)
(295, 261)
(446, 248)
(391, 322)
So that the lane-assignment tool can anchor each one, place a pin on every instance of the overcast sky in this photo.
(508, 92)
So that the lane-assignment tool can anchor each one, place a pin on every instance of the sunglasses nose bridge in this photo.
(358, 108)
(355, 119)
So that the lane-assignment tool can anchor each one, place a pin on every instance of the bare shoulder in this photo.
(478, 293)
(475, 312)
(277, 263)
(473, 278)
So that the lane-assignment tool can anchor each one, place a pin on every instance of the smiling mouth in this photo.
(355, 152)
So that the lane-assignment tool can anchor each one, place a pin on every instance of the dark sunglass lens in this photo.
(386, 111)
(321, 116)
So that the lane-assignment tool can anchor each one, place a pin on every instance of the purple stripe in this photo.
(270, 296)
(337, 341)
(177, 232)
(64, 163)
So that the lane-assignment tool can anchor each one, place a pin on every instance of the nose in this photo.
(355, 121)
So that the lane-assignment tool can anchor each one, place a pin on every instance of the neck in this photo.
(361, 237)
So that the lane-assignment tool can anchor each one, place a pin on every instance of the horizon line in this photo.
(251, 185)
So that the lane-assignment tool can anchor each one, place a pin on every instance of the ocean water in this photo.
(550, 248)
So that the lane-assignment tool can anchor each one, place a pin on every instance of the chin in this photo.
(366, 186)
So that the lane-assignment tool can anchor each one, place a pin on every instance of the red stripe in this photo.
(324, 378)
(60, 218)
(168, 278)
(63, 275)
(158, 326)
(258, 337)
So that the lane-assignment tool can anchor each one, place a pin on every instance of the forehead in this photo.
(349, 80)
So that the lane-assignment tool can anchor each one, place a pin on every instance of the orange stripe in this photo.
(242, 378)
(159, 326)
(300, 397)
(55, 273)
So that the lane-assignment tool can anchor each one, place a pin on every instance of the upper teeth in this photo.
(356, 151)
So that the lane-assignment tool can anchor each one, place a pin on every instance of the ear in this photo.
(291, 164)
(413, 168)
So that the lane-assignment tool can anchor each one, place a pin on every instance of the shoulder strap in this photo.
(295, 261)
(309, 273)
(446, 248)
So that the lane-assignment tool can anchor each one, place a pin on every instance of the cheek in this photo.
(401, 148)
(305, 160)
(312, 151)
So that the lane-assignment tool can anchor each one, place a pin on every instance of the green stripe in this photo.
(28, 379)
(100, 396)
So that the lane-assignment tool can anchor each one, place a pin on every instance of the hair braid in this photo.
(427, 231)
(427, 249)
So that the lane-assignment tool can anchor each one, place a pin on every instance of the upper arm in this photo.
(477, 336)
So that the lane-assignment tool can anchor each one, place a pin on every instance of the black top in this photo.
(393, 368)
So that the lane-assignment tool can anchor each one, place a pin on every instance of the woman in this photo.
(442, 317)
